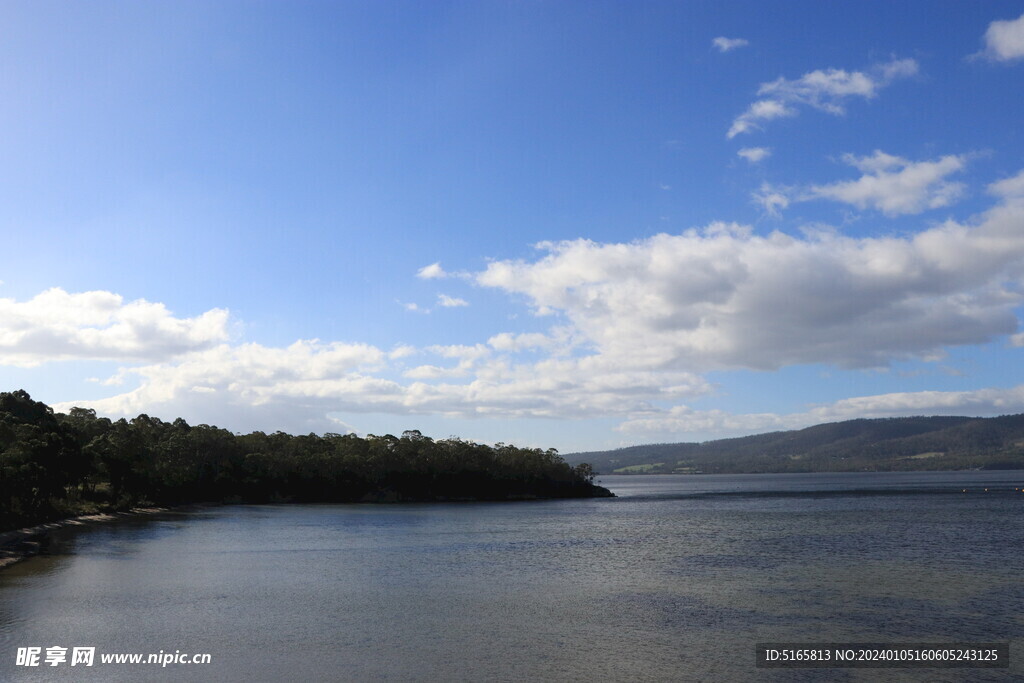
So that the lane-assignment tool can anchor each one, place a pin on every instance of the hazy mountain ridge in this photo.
(886, 444)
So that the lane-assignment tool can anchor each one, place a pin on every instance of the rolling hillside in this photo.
(890, 444)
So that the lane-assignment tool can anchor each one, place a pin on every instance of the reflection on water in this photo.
(674, 580)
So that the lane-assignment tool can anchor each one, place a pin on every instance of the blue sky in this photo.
(571, 224)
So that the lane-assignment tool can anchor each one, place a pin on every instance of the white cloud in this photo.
(252, 386)
(725, 298)
(762, 110)
(682, 419)
(755, 154)
(433, 372)
(402, 351)
(894, 185)
(897, 68)
(1009, 188)
(431, 272)
(98, 325)
(296, 388)
(634, 326)
(506, 341)
(975, 402)
(1004, 40)
(724, 44)
(772, 199)
(825, 90)
(467, 356)
(450, 302)
(460, 351)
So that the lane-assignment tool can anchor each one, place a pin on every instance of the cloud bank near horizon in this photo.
(634, 329)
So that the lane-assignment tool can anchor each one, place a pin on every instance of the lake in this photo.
(675, 579)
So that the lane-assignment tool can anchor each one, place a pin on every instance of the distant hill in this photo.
(889, 444)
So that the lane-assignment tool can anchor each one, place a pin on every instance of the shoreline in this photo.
(20, 544)
(729, 474)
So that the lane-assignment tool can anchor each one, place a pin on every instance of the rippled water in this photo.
(676, 579)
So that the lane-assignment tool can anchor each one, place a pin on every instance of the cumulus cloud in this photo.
(432, 272)
(506, 341)
(251, 386)
(824, 89)
(755, 154)
(1009, 188)
(772, 199)
(402, 351)
(634, 327)
(1004, 40)
(98, 325)
(296, 388)
(726, 298)
(450, 302)
(723, 44)
(762, 110)
(894, 185)
(467, 356)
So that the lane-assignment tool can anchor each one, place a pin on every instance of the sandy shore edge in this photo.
(20, 544)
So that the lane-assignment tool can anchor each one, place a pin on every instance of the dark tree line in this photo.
(53, 465)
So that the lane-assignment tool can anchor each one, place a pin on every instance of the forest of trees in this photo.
(58, 465)
(878, 445)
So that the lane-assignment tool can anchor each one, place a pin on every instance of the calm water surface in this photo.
(676, 579)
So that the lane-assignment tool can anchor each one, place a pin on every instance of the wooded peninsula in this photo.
(56, 465)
